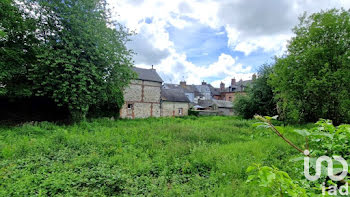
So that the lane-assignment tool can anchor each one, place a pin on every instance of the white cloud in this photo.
(276, 44)
(181, 69)
(266, 24)
(250, 26)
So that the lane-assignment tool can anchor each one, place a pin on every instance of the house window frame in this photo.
(130, 106)
(180, 111)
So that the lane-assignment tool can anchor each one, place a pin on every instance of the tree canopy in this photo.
(311, 80)
(69, 51)
(18, 46)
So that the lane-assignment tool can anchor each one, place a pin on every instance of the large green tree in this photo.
(81, 59)
(311, 80)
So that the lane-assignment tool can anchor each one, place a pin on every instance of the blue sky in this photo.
(202, 44)
(211, 40)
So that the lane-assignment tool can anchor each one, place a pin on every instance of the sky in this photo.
(211, 40)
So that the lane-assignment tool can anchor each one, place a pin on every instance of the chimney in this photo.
(254, 76)
(182, 83)
(233, 82)
(204, 83)
(222, 86)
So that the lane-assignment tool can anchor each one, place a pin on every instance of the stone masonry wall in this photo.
(144, 99)
(172, 108)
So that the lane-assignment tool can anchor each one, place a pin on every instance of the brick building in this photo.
(229, 93)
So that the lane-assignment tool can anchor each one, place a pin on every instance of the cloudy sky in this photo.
(211, 40)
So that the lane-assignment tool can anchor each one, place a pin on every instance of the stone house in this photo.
(142, 96)
(174, 102)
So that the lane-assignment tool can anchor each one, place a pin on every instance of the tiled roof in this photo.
(187, 88)
(174, 95)
(147, 74)
(214, 91)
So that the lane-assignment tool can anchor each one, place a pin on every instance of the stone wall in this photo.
(225, 112)
(172, 108)
(142, 100)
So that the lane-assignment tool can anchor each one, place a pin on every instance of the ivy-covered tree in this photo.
(311, 80)
(259, 98)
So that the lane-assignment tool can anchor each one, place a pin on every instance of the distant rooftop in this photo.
(174, 95)
(147, 74)
(238, 87)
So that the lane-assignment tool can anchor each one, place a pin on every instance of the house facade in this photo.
(142, 96)
(174, 103)
(145, 97)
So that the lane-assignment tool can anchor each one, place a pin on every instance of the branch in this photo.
(273, 128)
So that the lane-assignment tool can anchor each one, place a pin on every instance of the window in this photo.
(129, 106)
(230, 98)
(180, 111)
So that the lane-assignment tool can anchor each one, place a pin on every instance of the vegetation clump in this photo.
(157, 157)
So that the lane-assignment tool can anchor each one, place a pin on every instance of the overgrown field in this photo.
(157, 157)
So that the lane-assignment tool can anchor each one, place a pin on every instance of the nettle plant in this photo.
(323, 140)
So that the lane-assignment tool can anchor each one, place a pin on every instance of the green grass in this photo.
(153, 157)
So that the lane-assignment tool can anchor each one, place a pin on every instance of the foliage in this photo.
(201, 156)
(323, 140)
(87, 61)
(311, 80)
(69, 51)
(326, 139)
(259, 98)
(18, 46)
(274, 182)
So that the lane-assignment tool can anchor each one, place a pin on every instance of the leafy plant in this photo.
(323, 140)
(274, 182)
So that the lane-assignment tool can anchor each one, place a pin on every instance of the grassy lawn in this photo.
(156, 157)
